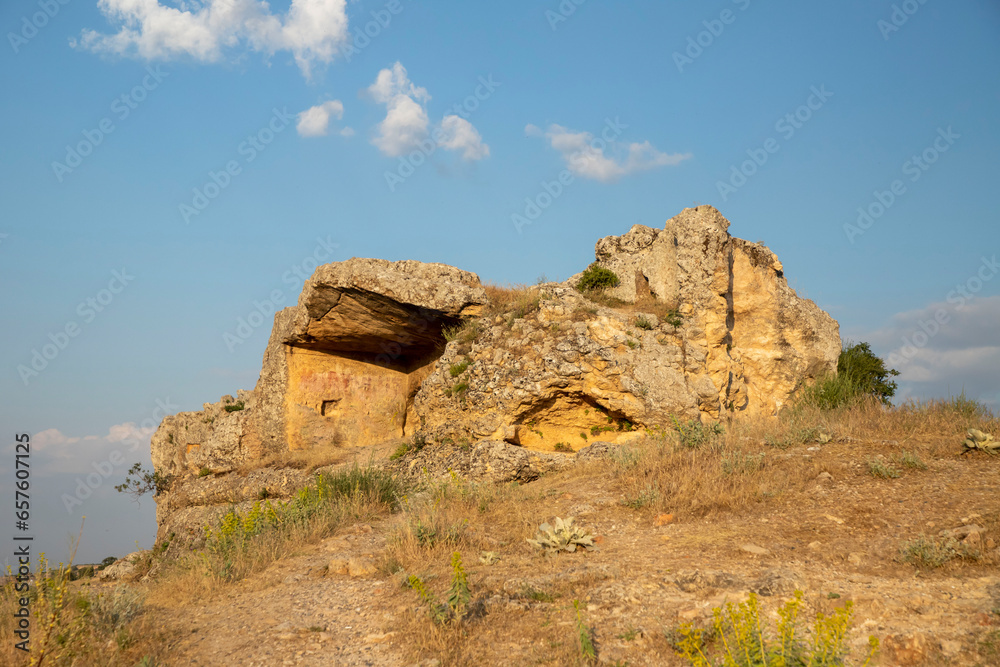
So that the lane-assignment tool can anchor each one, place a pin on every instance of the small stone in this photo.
(824, 477)
(837, 521)
(664, 519)
(360, 567)
(815, 546)
(855, 558)
(754, 549)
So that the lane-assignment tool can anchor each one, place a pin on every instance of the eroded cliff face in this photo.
(702, 325)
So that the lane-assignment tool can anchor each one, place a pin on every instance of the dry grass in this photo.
(91, 624)
(513, 301)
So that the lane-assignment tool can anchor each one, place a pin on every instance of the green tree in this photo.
(866, 371)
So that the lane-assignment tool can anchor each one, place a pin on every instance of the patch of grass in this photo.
(233, 407)
(694, 434)
(457, 369)
(741, 463)
(882, 470)
(537, 594)
(642, 322)
(928, 552)
(908, 459)
(562, 447)
(673, 317)
(458, 389)
(596, 277)
(242, 543)
(647, 497)
(204, 472)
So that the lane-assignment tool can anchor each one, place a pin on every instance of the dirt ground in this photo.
(838, 538)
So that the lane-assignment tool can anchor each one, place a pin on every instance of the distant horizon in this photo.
(170, 179)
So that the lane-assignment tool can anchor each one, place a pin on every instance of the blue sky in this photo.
(116, 119)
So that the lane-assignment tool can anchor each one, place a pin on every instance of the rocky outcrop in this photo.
(342, 366)
(701, 325)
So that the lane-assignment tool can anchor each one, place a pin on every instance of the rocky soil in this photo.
(837, 539)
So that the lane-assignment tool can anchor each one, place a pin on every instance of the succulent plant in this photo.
(563, 536)
(984, 442)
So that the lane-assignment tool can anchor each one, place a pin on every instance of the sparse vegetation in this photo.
(741, 639)
(457, 369)
(881, 469)
(583, 636)
(456, 605)
(694, 433)
(139, 481)
(240, 544)
(928, 552)
(234, 407)
(642, 322)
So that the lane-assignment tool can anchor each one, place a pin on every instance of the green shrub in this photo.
(457, 369)
(596, 277)
(859, 373)
(233, 407)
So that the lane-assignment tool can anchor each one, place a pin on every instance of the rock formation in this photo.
(701, 325)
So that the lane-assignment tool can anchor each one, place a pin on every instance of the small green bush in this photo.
(881, 469)
(596, 277)
(642, 322)
(234, 407)
(457, 369)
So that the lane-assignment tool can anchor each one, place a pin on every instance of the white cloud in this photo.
(347, 132)
(944, 349)
(406, 122)
(314, 121)
(458, 134)
(312, 30)
(585, 154)
(407, 126)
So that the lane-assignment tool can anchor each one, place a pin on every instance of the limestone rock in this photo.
(709, 328)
